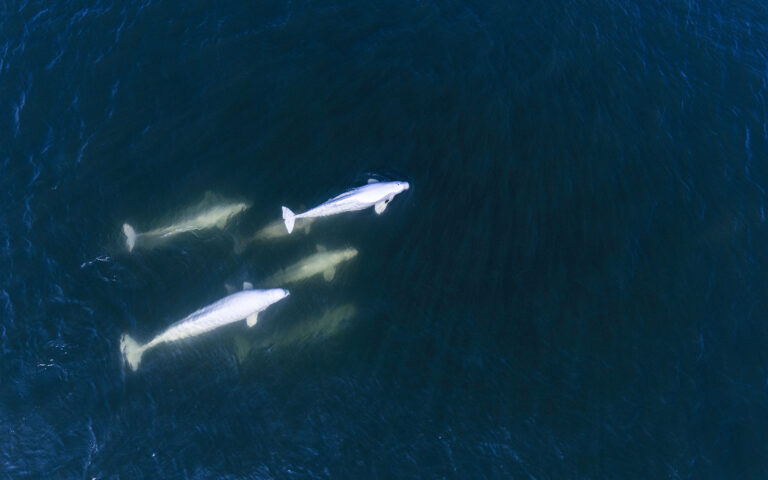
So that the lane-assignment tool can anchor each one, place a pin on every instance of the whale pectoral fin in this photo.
(372, 180)
(242, 348)
(329, 274)
(247, 286)
(252, 319)
(380, 207)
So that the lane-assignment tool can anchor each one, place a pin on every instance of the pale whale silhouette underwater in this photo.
(211, 212)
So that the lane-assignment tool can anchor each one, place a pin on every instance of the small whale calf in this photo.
(314, 329)
(208, 214)
(323, 262)
(376, 194)
(241, 305)
(271, 231)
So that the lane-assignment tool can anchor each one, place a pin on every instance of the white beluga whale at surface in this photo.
(323, 262)
(376, 194)
(238, 306)
(212, 212)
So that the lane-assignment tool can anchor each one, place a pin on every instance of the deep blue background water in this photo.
(574, 286)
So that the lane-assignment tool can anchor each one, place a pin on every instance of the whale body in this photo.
(323, 262)
(375, 194)
(232, 308)
(210, 213)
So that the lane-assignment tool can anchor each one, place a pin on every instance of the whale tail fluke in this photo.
(132, 351)
(130, 236)
(289, 218)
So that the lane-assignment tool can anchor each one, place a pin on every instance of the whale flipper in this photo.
(238, 244)
(252, 319)
(379, 207)
(289, 218)
(329, 274)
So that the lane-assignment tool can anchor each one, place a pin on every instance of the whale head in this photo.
(401, 187)
(277, 294)
(349, 253)
(266, 297)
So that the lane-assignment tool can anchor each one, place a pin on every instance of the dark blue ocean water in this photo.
(574, 286)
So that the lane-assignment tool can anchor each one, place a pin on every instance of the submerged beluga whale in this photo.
(272, 231)
(238, 306)
(315, 329)
(323, 262)
(376, 194)
(212, 212)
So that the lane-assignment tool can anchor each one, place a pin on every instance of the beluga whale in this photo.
(375, 194)
(245, 304)
(212, 212)
(300, 333)
(272, 231)
(324, 263)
